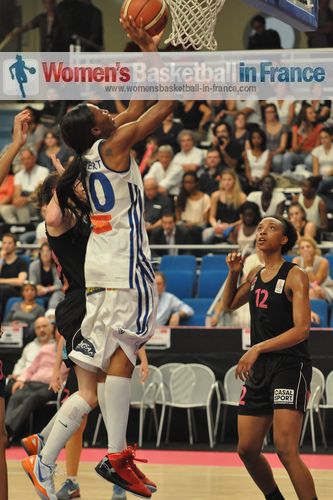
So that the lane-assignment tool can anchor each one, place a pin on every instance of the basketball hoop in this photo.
(193, 23)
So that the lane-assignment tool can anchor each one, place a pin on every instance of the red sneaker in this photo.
(146, 481)
(115, 467)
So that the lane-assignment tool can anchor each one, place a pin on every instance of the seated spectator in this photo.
(225, 204)
(222, 111)
(156, 205)
(270, 201)
(170, 234)
(305, 137)
(251, 108)
(194, 115)
(44, 335)
(322, 161)
(43, 273)
(51, 145)
(230, 151)
(168, 132)
(6, 192)
(240, 134)
(257, 158)
(190, 158)
(210, 174)
(285, 109)
(277, 136)
(313, 205)
(25, 183)
(166, 173)
(26, 311)
(170, 309)
(297, 216)
(316, 267)
(244, 235)
(13, 271)
(321, 108)
(192, 207)
(32, 389)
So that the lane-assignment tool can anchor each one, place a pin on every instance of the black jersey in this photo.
(69, 253)
(271, 311)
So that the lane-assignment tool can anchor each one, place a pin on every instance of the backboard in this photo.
(301, 14)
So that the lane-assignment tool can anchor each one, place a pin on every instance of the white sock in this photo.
(68, 420)
(117, 399)
(101, 399)
(47, 429)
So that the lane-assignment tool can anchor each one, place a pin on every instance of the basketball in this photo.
(153, 12)
(32, 71)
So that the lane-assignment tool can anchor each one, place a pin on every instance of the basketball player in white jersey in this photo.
(121, 294)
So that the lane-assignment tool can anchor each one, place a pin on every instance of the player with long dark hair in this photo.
(277, 369)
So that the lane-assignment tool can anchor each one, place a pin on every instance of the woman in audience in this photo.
(43, 272)
(244, 235)
(51, 145)
(277, 136)
(26, 311)
(285, 109)
(322, 108)
(313, 205)
(297, 216)
(270, 201)
(322, 161)
(305, 137)
(316, 267)
(192, 207)
(195, 115)
(6, 191)
(257, 158)
(225, 205)
(240, 134)
(168, 132)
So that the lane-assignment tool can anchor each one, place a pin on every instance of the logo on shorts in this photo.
(279, 286)
(284, 396)
(86, 347)
(121, 331)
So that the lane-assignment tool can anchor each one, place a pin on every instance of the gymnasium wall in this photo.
(229, 32)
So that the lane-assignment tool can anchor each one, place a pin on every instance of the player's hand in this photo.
(143, 372)
(57, 164)
(21, 125)
(235, 262)
(138, 34)
(245, 364)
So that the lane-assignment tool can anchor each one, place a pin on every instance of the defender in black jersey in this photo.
(277, 369)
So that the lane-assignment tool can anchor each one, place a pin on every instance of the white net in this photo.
(193, 23)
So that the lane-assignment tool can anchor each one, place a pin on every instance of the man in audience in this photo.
(166, 173)
(190, 157)
(170, 309)
(210, 174)
(13, 271)
(230, 151)
(263, 39)
(32, 388)
(25, 183)
(170, 234)
(156, 205)
(44, 335)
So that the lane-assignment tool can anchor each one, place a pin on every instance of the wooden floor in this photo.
(175, 482)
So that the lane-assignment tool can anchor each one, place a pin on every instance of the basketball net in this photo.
(193, 23)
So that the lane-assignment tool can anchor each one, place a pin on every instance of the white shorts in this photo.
(123, 318)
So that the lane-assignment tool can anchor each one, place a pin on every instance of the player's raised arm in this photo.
(21, 122)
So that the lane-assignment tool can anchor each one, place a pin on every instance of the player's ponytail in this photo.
(76, 128)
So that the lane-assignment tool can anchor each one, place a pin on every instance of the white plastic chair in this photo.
(163, 395)
(231, 391)
(328, 404)
(313, 407)
(191, 386)
(143, 395)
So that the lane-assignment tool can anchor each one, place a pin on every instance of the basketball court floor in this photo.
(180, 475)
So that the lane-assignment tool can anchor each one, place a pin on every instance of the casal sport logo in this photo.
(20, 77)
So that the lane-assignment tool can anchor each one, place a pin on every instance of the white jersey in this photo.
(118, 253)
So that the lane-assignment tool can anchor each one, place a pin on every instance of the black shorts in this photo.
(2, 381)
(69, 316)
(277, 382)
